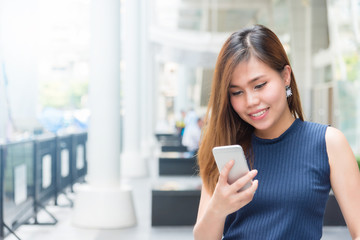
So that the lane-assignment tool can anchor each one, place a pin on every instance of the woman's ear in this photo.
(286, 75)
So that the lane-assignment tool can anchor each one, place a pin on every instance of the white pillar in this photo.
(103, 202)
(132, 162)
(151, 104)
(147, 139)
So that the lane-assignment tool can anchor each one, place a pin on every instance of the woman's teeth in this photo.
(258, 114)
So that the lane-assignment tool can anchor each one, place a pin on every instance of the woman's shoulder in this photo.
(334, 137)
(332, 134)
(309, 127)
(314, 124)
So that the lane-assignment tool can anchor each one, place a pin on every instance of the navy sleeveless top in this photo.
(294, 185)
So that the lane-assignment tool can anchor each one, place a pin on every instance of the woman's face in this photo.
(257, 94)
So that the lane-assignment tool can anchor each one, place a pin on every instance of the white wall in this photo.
(18, 31)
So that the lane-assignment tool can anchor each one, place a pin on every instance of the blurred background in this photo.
(45, 55)
(168, 50)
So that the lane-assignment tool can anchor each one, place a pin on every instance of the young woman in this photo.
(255, 103)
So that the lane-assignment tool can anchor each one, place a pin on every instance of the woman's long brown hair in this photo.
(223, 126)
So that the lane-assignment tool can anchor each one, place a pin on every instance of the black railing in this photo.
(45, 173)
(1, 192)
(35, 172)
(79, 165)
(64, 158)
(18, 184)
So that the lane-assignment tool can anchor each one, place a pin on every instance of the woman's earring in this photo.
(288, 91)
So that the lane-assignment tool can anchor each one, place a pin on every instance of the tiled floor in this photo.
(143, 231)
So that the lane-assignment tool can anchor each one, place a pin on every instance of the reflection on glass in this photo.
(344, 28)
(18, 176)
(20, 191)
(46, 171)
(80, 160)
(65, 164)
(209, 15)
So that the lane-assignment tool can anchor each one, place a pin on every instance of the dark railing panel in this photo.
(64, 158)
(178, 163)
(1, 192)
(333, 215)
(79, 163)
(45, 166)
(18, 191)
(174, 208)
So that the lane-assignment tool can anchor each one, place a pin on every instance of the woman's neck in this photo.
(279, 128)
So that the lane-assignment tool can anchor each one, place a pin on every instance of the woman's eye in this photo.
(237, 93)
(260, 85)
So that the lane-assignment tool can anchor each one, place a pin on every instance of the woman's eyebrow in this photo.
(251, 81)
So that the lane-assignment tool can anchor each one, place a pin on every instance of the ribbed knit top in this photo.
(294, 185)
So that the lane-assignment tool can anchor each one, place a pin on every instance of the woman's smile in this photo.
(260, 114)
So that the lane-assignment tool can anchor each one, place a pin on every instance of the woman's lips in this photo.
(259, 114)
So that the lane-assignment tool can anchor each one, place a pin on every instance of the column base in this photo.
(103, 208)
(133, 165)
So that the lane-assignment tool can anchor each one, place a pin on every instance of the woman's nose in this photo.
(252, 99)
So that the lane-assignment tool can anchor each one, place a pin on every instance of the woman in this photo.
(254, 102)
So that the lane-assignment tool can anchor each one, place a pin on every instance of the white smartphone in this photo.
(224, 154)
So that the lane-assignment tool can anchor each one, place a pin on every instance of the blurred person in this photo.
(255, 103)
(190, 116)
(180, 123)
(192, 135)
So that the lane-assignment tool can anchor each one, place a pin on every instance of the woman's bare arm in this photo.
(345, 178)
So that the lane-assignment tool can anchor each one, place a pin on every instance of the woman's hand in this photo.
(227, 198)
